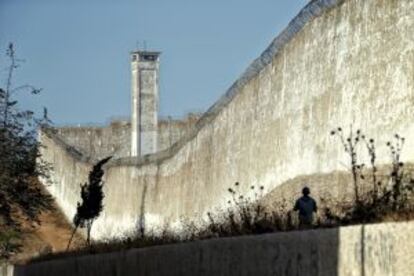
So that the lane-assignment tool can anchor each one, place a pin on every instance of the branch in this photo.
(32, 89)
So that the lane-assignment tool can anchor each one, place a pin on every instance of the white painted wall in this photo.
(338, 63)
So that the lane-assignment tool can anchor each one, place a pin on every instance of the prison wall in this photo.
(99, 142)
(380, 249)
(339, 62)
(170, 130)
(114, 139)
(69, 169)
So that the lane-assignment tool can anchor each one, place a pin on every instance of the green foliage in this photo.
(92, 196)
(20, 197)
(9, 243)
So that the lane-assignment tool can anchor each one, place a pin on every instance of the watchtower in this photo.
(144, 111)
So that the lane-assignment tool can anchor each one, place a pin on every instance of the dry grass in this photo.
(249, 218)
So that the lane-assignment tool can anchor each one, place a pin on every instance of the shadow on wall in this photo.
(313, 252)
(141, 220)
(373, 249)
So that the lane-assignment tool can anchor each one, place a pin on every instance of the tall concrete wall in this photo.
(172, 130)
(115, 139)
(381, 250)
(69, 170)
(337, 63)
(99, 142)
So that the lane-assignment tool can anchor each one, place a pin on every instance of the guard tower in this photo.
(144, 88)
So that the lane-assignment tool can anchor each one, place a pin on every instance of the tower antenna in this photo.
(145, 45)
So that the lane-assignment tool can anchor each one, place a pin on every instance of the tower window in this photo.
(148, 57)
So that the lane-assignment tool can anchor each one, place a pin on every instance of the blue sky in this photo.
(78, 51)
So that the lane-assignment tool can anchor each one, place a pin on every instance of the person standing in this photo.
(306, 206)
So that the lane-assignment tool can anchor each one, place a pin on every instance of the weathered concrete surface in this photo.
(339, 62)
(170, 131)
(331, 190)
(99, 142)
(70, 170)
(144, 117)
(6, 269)
(380, 249)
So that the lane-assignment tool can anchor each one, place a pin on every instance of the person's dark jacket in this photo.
(306, 207)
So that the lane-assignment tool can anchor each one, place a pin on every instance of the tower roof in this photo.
(145, 52)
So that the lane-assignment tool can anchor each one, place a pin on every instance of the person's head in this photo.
(305, 191)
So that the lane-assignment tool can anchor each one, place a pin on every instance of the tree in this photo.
(20, 195)
(92, 196)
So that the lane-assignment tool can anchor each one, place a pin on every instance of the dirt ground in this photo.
(51, 235)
